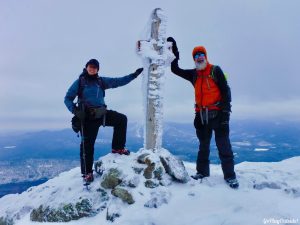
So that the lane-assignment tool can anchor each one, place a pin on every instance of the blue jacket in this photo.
(93, 94)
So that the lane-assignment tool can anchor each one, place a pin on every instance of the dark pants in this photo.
(90, 130)
(204, 134)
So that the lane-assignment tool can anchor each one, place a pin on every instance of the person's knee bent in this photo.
(123, 119)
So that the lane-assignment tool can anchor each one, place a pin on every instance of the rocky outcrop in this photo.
(99, 168)
(148, 172)
(158, 173)
(123, 194)
(137, 170)
(118, 180)
(151, 184)
(111, 179)
(6, 221)
(132, 182)
(113, 212)
(265, 184)
(157, 199)
(175, 168)
(64, 213)
(163, 162)
(142, 158)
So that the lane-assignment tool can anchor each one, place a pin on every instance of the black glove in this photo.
(225, 117)
(138, 72)
(79, 113)
(174, 47)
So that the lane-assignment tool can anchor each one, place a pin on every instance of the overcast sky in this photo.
(44, 45)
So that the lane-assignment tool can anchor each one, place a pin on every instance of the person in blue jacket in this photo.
(92, 112)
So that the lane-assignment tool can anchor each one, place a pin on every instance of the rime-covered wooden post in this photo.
(156, 54)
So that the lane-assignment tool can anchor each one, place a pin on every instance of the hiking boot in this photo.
(88, 178)
(123, 151)
(198, 176)
(232, 182)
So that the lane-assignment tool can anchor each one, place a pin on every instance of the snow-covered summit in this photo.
(136, 190)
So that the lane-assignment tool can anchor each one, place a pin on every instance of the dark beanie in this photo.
(93, 62)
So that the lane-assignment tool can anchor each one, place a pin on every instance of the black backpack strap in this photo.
(82, 83)
(101, 84)
(212, 74)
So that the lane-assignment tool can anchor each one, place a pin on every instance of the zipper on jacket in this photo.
(201, 91)
(201, 107)
(207, 83)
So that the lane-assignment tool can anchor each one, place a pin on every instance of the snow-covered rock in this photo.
(65, 213)
(173, 166)
(157, 199)
(123, 194)
(162, 162)
(267, 191)
(111, 179)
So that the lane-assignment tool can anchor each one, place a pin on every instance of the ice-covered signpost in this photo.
(156, 54)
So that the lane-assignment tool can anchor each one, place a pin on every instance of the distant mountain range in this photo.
(23, 157)
(251, 141)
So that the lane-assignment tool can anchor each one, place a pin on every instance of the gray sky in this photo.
(44, 46)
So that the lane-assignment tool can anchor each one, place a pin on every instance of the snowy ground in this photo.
(269, 193)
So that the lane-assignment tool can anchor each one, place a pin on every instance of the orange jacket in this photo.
(209, 90)
(207, 93)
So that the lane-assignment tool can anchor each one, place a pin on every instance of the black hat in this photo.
(93, 62)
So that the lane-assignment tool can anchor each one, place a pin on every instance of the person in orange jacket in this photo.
(212, 107)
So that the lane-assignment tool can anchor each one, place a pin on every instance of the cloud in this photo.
(282, 110)
(45, 44)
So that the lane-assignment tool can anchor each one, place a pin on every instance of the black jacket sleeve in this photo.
(224, 89)
(185, 74)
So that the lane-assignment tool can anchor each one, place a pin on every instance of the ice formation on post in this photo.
(156, 55)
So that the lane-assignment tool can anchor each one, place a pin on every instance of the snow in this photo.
(10, 147)
(264, 144)
(268, 192)
(241, 143)
(261, 149)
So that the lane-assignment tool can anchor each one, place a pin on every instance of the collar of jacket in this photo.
(206, 71)
(89, 77)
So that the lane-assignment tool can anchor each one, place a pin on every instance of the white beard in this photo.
(201, 66)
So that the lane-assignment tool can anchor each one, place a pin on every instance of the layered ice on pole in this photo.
(156, 54)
